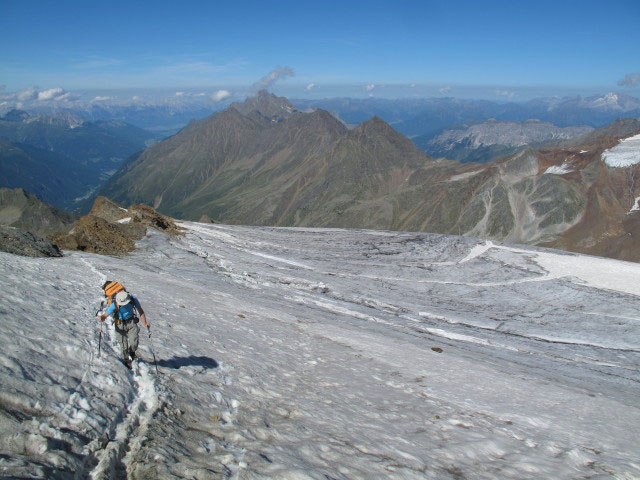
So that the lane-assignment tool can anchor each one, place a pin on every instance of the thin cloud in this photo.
(101, 99)
(630, 80)
(194, 67)
(505, 93)
(51, 94)
(27, 94)
(445, 90)
(97, 62)
(310, 86)
(220, 95)
(369, 87)
(190, 94)
(272, 77)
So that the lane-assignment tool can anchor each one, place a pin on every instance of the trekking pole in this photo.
(151, 348)
(100, 339)
(100, 335)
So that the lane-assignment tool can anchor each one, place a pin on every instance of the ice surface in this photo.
(304, 353)
(625, 154)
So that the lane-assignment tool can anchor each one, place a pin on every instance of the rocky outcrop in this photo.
(108, 210)
(96, 235)
(20, 242)
(110, 229)
(25, 211)
(145, 215)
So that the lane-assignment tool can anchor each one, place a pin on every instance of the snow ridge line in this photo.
(119, 454)
(103, 277)
(76, 392)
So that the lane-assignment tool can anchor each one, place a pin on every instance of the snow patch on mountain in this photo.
(559, 169)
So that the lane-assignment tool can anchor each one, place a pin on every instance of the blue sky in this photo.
(506, 48)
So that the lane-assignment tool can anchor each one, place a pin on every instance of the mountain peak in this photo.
(266, 105)
(375, 127)
(16, 115)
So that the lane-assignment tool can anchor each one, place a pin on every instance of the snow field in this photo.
(303, 353)
(625, 154)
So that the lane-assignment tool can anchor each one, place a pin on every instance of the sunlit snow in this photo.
(625, 154)
(315, 354)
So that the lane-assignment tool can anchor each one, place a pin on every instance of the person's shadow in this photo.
(190, 361)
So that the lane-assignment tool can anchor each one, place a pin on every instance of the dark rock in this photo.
(20, 242)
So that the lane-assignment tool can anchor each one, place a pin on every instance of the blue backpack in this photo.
(126, 312)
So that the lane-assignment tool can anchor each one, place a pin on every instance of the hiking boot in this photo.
(132, 354)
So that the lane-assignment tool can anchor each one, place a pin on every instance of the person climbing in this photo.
(123, 307)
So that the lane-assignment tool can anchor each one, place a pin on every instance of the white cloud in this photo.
(220, 95)
(272, 77)
(630, 80)
(369, 87)
(310, 86)
(505, 93)
(51, 94)
(101, 99)
(445, 90)
(180, 94)
(64, 97)
(28, 94)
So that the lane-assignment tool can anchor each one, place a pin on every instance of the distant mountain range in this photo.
(489, 140)
(414, 117)
(430, 116)
(63, 158)
(265, 162)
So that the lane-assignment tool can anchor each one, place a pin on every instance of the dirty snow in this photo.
(463, 176)
(625, 154)
(635, 206)
(559, 169)
(304, 353)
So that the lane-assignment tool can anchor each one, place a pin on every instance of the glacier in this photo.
(305, 353)
(625, 154)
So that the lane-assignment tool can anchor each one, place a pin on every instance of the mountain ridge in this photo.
(308, 170)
